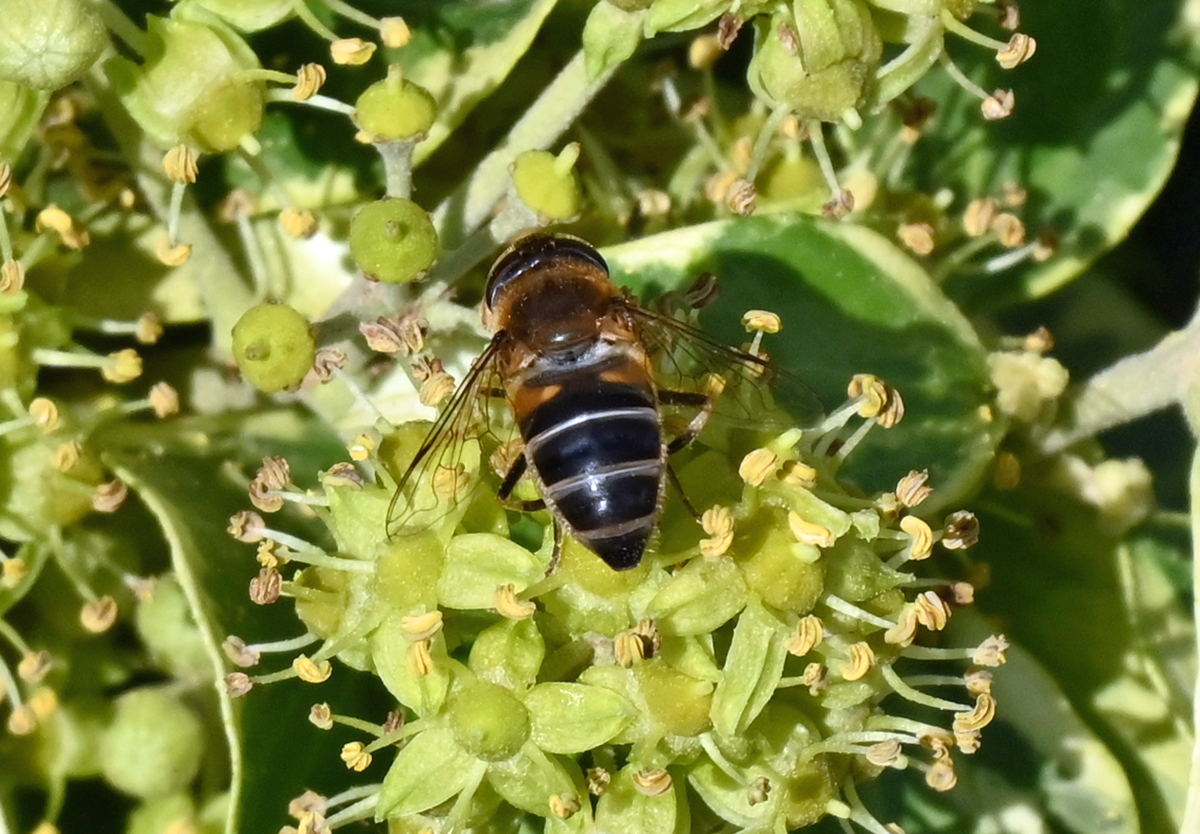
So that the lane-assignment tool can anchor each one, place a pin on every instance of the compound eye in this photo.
(538, 250)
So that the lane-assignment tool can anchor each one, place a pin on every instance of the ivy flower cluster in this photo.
(767, 659)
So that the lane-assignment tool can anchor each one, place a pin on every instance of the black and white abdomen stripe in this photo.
(597, 449)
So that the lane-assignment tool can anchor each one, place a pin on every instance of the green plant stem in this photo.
(121, 26)
(397, 164)
(1133, 387)
(1191, 808)
(556, 108)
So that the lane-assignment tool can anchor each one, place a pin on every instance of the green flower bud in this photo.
(165, 624)
(547, 184)
(818, 63)
(49, 43)
(273, 346)
(191, 88)
(395, 110)
(24, 106)
(153, 746)
(488, 721)
(393, 240)
(509, 653)
(37, 496)
(167, 813)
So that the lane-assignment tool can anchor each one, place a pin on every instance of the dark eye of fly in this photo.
(537, 250)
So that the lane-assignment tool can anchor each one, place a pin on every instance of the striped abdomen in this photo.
(596, 447)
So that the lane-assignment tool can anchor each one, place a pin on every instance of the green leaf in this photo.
(427, 771)
(462, 50)
(851, 302)
(575, 717)
(1079, 784)
(1099, 113)
(1129, 663)
(181, 471)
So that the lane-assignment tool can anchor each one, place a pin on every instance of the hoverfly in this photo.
(574, 358)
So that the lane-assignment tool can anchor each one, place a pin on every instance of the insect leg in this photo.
(556, 556)
(693, 398)
(510, 482)
(691, 508)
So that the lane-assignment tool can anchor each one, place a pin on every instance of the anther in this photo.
(652, 781)
(809, 633)
(309, 79)
(808, 532)
(862, 658)
(355, 757)
(718, 524)
(312, 671)
(394, 32)
(509, 606)
(98, 616)
(421, 626)
(351, 51)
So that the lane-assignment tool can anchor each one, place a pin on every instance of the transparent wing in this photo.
(451, 462)
(755, 393)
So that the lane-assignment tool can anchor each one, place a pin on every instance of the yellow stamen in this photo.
(862, 658)
(809, 633)
(351, 51)
(311, 671)
(355, 757)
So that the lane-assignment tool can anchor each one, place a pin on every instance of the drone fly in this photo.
(577, 362)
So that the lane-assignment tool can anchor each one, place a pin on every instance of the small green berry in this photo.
(488, 721)
(153, 746)
(273, 346)
(547, 184)
(393, 240)
(49, 43)
(395, 110)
